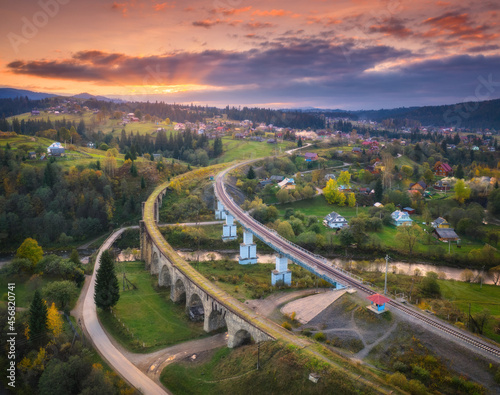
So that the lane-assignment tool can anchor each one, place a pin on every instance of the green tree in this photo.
(346, 237)
(251, 173)
(30, 250)
(299, 142)
(74, 257)
(143, 183)
(38, 320)
(460, 172)
(286, 230)
(379, 190)
(494, 202)
(107, 291)
(61, 292)
(428, 176)
(429, 285)
(408, 236)
(283, 196)
(133, 170)
(462, 191)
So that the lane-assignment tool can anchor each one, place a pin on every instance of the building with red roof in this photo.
(442, 169)
(378, 303)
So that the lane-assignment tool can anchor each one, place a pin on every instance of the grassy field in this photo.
(319, 207)
(148, 319)
(284, 370)
(106, 126)
(251, 281)
(242, 149)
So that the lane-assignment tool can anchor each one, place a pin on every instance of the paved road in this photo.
(108, 351)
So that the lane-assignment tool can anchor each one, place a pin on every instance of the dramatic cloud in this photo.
(391, 27)
(456, 25)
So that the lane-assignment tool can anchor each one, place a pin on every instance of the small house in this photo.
(445, 234)
(344, 189)
(442, 169)
(277, 178)
(420, 186)
(32, 155)
(287, 183)
(263, 183)
(35, 112)
(357, 151)
(409, 210)
(442, 185)
(378, 303)
(311, 157)
(440, 223)
(401, 218)
(55, 149)
(330, 176)
(335, 221)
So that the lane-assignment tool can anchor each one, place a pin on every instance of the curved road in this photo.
(108, 351)
(315, 262)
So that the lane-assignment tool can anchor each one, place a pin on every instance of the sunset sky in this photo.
(356, 54)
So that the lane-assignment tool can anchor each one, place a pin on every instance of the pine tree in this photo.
(143, 183)
(107, 292)
(299, 143)
(251, 173)
(74, 257)
(38, 321)
(379, 190)
(460, 172)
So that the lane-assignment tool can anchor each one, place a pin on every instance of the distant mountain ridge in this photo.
(12, 93)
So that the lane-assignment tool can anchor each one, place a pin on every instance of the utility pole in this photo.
(386, 269)
(258, 355)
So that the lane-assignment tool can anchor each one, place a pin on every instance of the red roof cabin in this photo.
(442, 169)
(311, 157)
(378, 303)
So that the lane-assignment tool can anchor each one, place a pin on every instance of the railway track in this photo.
(313, 261)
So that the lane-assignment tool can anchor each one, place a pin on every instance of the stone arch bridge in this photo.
(204, 301)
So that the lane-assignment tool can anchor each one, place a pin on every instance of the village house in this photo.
(409, 210)
(420, 186)
(311, 157)
(32, 155)
(442, 169)
(330, 176)
(440, 223)
(445, 234)
(335, 221)
(55, 149)
(401, 218)
(442, 185)
(287, 183)
(277, 178)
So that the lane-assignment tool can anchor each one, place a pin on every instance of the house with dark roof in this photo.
(277, 178)
(311, 156)
(420, 186)
(442, 185)
(442, 169)
(335, 221)
(445, 234)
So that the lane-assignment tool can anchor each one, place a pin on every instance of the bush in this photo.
(287, 325)
(399, 366)
(398, 379)
(320, 336)
(420, 373)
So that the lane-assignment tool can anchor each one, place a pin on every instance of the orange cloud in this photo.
(456, 25)
(271, 13)
(162, 6)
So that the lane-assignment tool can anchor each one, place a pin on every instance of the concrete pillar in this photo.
(220, 212)
(248, 250)
(142, 238)
(229, 229)
(281, 273)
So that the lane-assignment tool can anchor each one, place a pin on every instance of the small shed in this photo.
(378, 303)
(446, 234)
(32, 155)
(409, 210)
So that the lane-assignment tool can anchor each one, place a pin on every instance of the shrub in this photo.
(287, 325)
(399, 366)
(398, 379)
(420, 373)
(415, 387)
(320, 336)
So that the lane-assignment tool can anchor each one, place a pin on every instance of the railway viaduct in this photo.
(203, 300)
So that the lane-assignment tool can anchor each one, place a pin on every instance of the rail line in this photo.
(313, 261)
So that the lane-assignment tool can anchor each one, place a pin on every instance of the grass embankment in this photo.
(284, 369)
(251, 281)
(145, 319)
(242, 149)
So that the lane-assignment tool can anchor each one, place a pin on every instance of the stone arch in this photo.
(179, 292)
(241, 338)
(216, 320)
(165, 278)
(154, 263)
(195, 308)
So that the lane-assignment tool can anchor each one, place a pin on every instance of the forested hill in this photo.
(485, 114)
